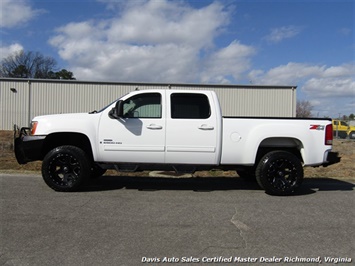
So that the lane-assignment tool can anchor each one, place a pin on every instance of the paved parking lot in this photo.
(136, 220)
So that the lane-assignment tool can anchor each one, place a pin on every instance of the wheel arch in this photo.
(289, 144)
(79, 140)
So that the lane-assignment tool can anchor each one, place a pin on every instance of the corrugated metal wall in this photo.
(14, 104)
(21, 99)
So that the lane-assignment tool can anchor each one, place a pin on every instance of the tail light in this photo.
(329, 135)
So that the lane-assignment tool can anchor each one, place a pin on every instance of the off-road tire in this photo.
(279, 173)
(65, 168)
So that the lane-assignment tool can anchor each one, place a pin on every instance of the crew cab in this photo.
(179, 129)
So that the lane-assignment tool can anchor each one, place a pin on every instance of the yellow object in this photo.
(342, 130)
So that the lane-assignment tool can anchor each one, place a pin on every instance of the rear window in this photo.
(190, 106)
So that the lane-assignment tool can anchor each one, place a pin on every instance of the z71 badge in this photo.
(317, 127)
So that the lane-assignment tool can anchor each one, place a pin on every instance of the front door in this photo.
(137, 137)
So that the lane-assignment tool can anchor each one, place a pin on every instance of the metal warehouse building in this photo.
(22, 99)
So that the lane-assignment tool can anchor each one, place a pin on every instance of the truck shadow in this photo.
(206, 184)
(326, 184)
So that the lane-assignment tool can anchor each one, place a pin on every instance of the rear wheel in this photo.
(65, 168)
(352, 135)
(279, 173)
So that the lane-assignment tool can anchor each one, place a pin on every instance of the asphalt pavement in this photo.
(164, 221)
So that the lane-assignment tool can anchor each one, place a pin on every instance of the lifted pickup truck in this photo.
(183, 130)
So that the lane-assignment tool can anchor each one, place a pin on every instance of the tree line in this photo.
(34, 65)
(304, 109)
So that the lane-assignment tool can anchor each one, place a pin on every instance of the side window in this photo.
(147, 105)
(190, 106)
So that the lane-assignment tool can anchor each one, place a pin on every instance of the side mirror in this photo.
(117, 111)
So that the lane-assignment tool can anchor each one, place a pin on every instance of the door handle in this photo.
(205, 127)
(154, 126)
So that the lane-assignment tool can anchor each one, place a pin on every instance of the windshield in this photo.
(94, 112)
(106, 107)
(344, 123)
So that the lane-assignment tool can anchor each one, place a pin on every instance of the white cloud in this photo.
(292, 73)
(15, 13)
(160, 41)
(279, 34)
(340, 71)
(327, 88)
(5, 51)
(159, 22)
(232, 60)
(330, 87)
(334, 81)
(315, 80)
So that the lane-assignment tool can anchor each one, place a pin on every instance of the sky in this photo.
(305, 43)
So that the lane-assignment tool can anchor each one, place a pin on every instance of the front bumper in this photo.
(332, 158)
(27, 148)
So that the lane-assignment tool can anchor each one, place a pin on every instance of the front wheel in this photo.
(279, 173)
(65, 168)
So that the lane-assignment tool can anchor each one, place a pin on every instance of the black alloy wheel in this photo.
(65, 168)
(279, 173)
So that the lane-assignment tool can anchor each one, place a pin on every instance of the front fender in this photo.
(81, 124)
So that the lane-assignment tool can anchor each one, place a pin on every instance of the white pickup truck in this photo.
(180, 129)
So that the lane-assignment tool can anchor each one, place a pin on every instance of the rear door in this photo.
(191, 129)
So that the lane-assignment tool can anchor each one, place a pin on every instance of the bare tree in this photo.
(303, 109)
(23, 64)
